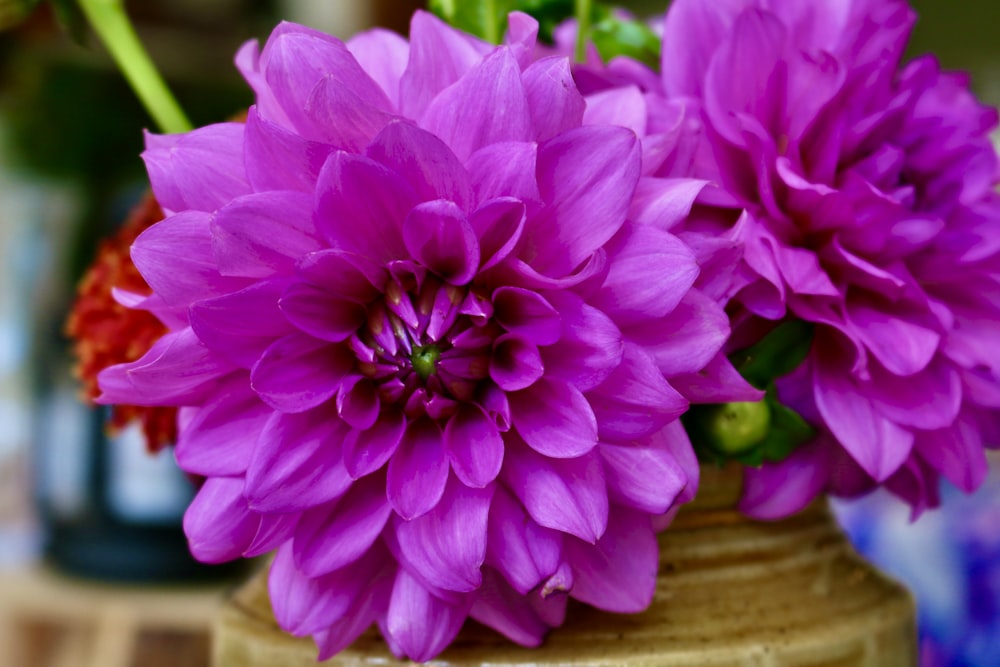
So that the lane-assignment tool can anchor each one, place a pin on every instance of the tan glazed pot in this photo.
(731, 593)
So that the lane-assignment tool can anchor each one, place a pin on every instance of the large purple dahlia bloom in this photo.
(421, 325)
(872, 215)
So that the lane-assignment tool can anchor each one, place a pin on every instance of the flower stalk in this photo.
(111, 23)
(584, 11)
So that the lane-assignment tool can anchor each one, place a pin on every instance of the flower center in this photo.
(424, 359)
(426, 345)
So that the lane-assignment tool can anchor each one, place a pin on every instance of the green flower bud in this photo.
(735, 428)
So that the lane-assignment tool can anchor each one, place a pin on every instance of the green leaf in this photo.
(487, 19)
(71, 18)
(779, 353)
(626, 37)
(484, 18)
(13, 12)
(788, 430)
(548, 13)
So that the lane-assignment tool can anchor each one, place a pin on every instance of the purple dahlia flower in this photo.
(869, 189)
(422, 319)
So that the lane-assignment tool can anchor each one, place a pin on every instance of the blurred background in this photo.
(100, 511)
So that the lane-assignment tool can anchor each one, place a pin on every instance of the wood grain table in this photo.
(51, 620)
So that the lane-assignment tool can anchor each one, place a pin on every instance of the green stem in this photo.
(111, 23)
(492, 23)
(583, 10)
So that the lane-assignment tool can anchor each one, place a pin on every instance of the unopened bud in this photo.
(734, 428)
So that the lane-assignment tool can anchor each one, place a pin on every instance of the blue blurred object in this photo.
(949, 558)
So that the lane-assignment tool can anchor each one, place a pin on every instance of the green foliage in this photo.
(770, 430)
(548, 13)
(71, 19)
(779, 353)
(612, 34)
(13, 12)
(615, 36)
(488, 18)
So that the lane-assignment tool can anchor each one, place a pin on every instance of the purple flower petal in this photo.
(201, 170)
(367, 450)
(505, 170)
(692, 31)
(515, 363)
(341, 117)
(777, 490)
(957, 452)
(736, 82)
(298, 61)
(567, 495)
(618, 573)
(878, 445)
(299, 372)
(177, 370)
(903, 347)
(321, 314)
(418, 471)
(366, 610)
(358, 402)
(664, 203)
(635, 400)
(507, 611)
(474, 445)
(524, 552)
(590, 347)
(555, 419)
(718, 382)
(218, 524)
(465, 114)
(176, 259)
(439, 56)
(213, 442)
(361, 206)
(296, 463)
(650, 272)
(643, 475)
(527, 314)
(686, 339)
(522, 37)
(930, 399)
(305, 605)
(624, 107)
(498, 224)
(240, 326)
(425, 161)
(586, 175)
(420, 624)
(345, 274)
(278, 159)
(274, 530)
(263, 234)
(330, 537)
(447, 545)
(383, 55)
(438, 235)
(674, 438)
(553, 100)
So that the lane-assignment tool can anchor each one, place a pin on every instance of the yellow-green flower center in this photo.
(424, 359)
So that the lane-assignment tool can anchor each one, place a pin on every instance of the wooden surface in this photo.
(49, 620)
(731, 593)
